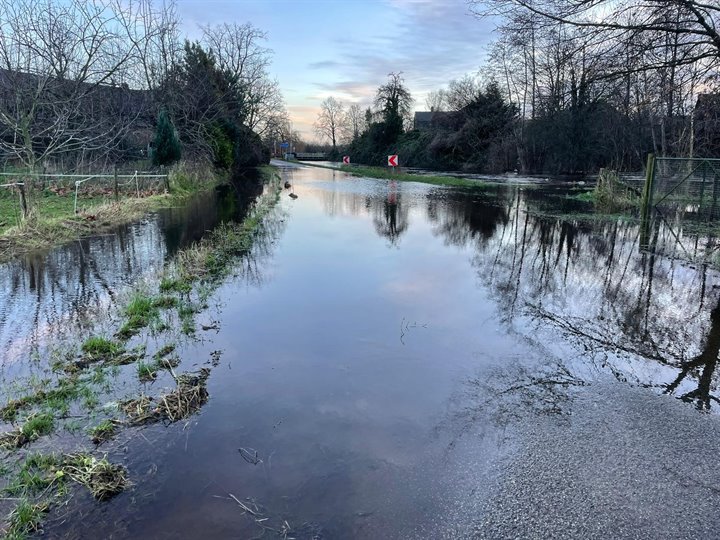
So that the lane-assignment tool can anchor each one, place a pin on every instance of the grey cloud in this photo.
(325, 64)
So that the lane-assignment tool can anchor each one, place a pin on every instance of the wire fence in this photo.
(50, 193)
(684, 188)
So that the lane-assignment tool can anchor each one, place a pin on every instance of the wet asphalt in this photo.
(625, 464)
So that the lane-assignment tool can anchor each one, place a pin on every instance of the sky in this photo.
(346, 48)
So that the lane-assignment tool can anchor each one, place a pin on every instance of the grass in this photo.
(38, 425)
(164, 351)
(168, 284)
(37, 472)
(53, 220)
(140, 312)
(388, 174)
(104, 431)
(25, 520)
(99, 346)
(34, 427)
(147, 372)
(102, 478)
(56, 401)
(189, 395)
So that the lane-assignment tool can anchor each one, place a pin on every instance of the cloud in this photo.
(432, 41)
(356, 91)
(325, 64)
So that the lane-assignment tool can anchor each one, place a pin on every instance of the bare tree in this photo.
(331, 120)
(355, 120)
(436, 100)
(695, 23)
(239, 52)
(63, 73)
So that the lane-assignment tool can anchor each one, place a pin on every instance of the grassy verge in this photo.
(388, 174)
(53, 220)
(82, 377)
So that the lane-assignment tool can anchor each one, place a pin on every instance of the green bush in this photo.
(167, 145)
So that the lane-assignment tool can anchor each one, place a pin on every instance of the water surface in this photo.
(382, 348)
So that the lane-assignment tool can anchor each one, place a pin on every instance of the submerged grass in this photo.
(183, 291)
(34, 427)
(25, 520)
(104, 431)
(100, 346)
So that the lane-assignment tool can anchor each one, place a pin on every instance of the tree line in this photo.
(570, 86)
(86, 84)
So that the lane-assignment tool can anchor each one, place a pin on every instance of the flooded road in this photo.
(399, 360)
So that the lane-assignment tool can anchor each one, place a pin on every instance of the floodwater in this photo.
(383, 351)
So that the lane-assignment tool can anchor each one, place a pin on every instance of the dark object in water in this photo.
(293, 196)
(287, 185)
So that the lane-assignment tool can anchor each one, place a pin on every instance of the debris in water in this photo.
(102, 478)
(187, 398)
(250, 455)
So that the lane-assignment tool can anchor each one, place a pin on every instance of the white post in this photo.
(77, 185)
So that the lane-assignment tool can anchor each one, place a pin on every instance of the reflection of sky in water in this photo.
(53, 295)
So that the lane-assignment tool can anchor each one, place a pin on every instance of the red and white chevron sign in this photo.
(393, 161)
(346, 160)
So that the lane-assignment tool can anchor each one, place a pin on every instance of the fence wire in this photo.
(72, 192)
(686, 188)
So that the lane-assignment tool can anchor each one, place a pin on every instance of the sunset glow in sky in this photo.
(346, 48)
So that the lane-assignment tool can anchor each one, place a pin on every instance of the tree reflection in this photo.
(705, 363)
(624, 308)
(51, 295)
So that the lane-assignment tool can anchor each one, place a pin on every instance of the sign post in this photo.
(346, 160)
(393, 162)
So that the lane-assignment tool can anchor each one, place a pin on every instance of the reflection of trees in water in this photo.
(464, 216)
(702, 366)
(57, 293)
(620, 306)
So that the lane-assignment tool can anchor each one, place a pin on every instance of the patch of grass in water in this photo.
(102, 478)
(141, 311)
(164, 351)
(25, 520)
(36, 473)
(100, 346)
(168, 284)
(165, 302)
(38, 425)
(147, 372)
(104, 431)
(34, 427)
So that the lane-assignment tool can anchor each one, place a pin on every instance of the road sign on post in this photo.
(346, 160)
(284, 145)
(393, 161)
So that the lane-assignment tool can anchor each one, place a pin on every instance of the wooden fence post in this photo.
(23, 199)
(647, 197)
(115, 183)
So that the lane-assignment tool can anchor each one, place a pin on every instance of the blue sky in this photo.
(346, 48)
